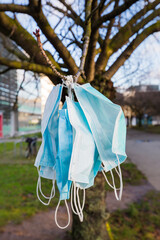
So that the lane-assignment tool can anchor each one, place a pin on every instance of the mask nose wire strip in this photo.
(52, 194)
(68, 212)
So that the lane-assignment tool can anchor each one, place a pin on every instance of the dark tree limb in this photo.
(45, 27)
(26, 66)
(129, 50)
(114, 13)
(14, 8)
(13, 29)
(103, 57)
(123, 35)
(87, 33)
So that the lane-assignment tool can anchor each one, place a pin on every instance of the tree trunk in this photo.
(95, 215)
(140, 121)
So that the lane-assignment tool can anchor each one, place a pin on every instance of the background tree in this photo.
(140, 103)
(115, 29)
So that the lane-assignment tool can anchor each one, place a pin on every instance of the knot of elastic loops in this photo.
(69, 80)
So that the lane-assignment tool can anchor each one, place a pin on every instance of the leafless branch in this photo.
(49, 63)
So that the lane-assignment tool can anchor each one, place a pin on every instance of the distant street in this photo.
(144, 150)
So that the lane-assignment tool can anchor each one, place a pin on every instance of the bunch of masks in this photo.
(84, 137)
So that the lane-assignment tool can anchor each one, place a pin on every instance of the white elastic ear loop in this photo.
(40, 189)
(69, 218)
(83, 202)
(79, 204)
(120, 178)
(77, 211)
(52, 194)
(121, 181)
(108, 180)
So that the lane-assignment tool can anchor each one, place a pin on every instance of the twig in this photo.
(5, 70)
(86, 40)
(49, 63)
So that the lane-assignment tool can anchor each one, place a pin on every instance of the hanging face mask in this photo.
(84, 149)
(107, 124)
(84, 156)
(46, 157)
(65, 143)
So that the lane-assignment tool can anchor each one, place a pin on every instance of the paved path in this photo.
(144, 150)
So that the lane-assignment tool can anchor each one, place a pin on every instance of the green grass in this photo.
(18, 198)
(140, 221)
(149, 129)
(18, 178)
(131, 175)
(8, 153)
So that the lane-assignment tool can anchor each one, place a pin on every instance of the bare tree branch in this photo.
(22, 37)
(5, 70)
(45, 27)
(103, 59)
(114, 13)
(123, 35)
(129, 50)
(26, 66)
(14, 8)
(49, 63)
(86, 39)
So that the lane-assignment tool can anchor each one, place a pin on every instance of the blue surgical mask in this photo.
(107, 124)
(65, 144)
(84, 148)
(46, 157)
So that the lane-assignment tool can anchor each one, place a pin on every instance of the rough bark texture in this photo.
(95, 214)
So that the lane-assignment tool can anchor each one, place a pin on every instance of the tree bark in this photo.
(95, 214)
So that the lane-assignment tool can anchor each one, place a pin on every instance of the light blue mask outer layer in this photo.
(107, 124)
(65, 136)
(46, 157)
(84, 161)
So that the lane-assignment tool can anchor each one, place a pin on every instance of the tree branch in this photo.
(122, 37)
(5, 70)
(87, 33)
(24, 39)
(14, 8)
(90, 62)
(118, 10)
(26, 66)
(129, 50)
(103, 58)
(45, 27)
(76, 18)
(49, 63)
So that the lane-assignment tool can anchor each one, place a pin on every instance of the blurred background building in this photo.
(140, 104)
(21, 104)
